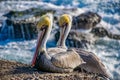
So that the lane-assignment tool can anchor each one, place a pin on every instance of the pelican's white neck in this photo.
(61, 41)
(64, 31)
(46, 34)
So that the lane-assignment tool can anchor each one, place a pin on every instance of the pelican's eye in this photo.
(64, 24)
(43, 27)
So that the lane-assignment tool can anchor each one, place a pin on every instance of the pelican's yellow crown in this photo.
(44, 21)
(64, 19)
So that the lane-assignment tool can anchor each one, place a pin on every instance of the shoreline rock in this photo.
(11, 70)
(22, 24)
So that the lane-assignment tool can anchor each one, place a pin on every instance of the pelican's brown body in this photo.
(93, 63)
(59, 62)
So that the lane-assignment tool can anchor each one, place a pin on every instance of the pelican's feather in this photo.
(93, 63)
(69, 59)
(55, 50)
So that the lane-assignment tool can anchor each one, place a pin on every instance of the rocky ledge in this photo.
(11, 70)
(22, 24)
(82, 40)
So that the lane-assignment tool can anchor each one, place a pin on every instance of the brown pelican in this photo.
(53, 60)
(93, 63)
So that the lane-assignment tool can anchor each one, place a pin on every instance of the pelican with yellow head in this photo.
(53, 59)
(93, 63)
(65, 22)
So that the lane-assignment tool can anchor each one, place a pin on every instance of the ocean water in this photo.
(108, 50)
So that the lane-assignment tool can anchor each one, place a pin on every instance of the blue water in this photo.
(108, 6)
(108, 50)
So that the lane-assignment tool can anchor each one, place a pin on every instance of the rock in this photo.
(18, 71)
(12, 30)
(86, 20)
(29, 13)
(102, 32)
(82, 40)
(114, 36)
(22, 25)
(99, 32)
(77, 39)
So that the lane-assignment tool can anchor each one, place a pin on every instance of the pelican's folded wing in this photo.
(69, 59)
(56, 50)
(93, 63)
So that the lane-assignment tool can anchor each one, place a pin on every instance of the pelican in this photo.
(53, 59)
(93, 63)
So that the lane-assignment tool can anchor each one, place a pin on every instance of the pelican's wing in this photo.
(55, 50)
(68, 59)
(93, 63)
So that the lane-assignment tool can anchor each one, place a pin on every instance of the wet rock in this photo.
(114, 36)
(77, 39)
(86, 20)
(28, 31)
(102, 32)
(22, 25)
(29, 13)
(99, 32)
(82, 40)
(12, 30)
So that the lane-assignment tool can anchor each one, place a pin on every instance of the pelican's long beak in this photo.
(39, 41)
(43, 24)
(63, 32)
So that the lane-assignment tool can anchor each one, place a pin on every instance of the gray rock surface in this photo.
(11, 70)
